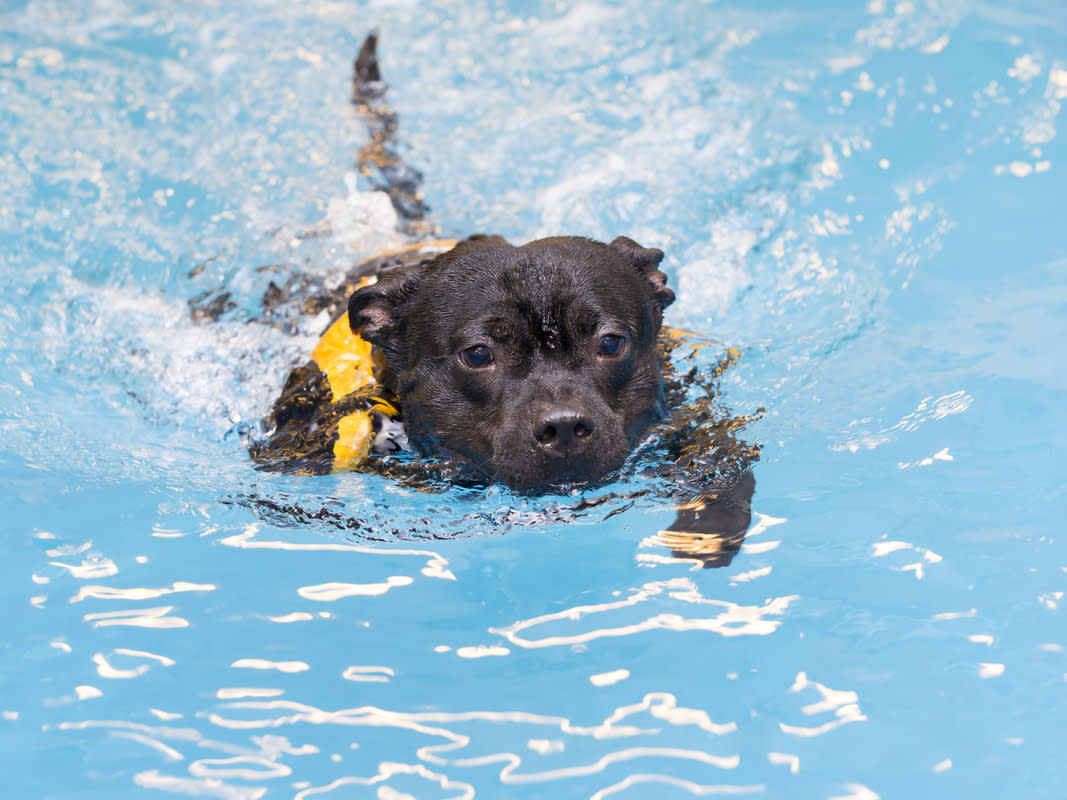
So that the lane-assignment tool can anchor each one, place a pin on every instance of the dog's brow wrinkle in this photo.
(497, 329)
(550, 331)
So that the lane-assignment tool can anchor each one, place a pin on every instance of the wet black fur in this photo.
(542, 309)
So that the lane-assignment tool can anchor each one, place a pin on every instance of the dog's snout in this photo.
(563, 428)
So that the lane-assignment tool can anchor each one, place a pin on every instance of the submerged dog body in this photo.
(536, 365)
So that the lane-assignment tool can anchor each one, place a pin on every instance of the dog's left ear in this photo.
(646, 260)
(372, 310)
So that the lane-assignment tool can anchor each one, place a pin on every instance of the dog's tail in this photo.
(379, 160)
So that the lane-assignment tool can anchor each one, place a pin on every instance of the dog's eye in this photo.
(477, 356)
(610, 344)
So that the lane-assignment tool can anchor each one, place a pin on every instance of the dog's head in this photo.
(536, 365)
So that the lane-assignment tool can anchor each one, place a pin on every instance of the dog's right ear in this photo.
(373, 310)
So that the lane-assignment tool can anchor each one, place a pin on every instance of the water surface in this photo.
(865, 199)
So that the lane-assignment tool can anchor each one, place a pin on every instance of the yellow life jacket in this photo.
(333, 407)
(349, 364)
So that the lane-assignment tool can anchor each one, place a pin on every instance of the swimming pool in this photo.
(865, 199)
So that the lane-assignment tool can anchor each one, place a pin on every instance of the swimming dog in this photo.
(539, 366)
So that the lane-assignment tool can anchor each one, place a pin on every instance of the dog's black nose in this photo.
(563, 428)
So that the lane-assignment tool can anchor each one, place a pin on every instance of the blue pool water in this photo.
(866, 199)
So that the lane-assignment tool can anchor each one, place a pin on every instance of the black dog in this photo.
(536, 365)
